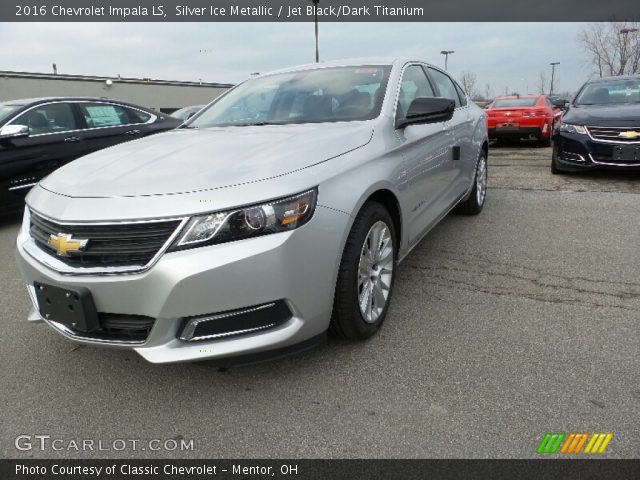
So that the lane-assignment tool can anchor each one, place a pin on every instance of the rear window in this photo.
(514, 102)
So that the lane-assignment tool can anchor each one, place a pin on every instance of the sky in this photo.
(507, 56)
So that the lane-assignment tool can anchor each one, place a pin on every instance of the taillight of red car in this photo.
(534, 112)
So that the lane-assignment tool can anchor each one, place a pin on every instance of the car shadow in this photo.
(523, 143)
(610, 175)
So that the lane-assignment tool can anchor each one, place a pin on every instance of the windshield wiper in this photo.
(254, 124)
(187, 126)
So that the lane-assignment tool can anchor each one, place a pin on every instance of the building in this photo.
(163, 95)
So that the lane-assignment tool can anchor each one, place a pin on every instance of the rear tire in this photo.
(545, 142)
(554, 161)
(473, 205)
(366, 275)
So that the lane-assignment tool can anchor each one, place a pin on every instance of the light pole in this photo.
(446, 54)
(553, 72)
(315, 16)
(623, 47)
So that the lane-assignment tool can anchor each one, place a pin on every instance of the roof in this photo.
(346, 62)
(516, 97)
(29, 101)
(97, 78)
(619, 77)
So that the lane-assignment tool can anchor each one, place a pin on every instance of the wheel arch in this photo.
(389, 201)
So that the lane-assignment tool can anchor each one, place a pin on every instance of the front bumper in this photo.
(580, 152)
(297, 268)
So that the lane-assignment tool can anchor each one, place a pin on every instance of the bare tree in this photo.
(488, 92)
(542, 83)
(613, 48)
(469, 80)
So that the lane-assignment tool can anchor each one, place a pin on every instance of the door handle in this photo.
(133, 132)
(72, 139)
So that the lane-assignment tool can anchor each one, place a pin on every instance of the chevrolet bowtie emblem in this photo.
(64, 244)
(629, 134)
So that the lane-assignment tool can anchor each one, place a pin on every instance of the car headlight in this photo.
(570, 128)
(279, 215)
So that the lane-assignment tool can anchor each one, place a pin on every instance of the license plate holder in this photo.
(508, 125)
(73, 308)
(626, 153)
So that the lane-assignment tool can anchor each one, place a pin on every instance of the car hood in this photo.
(192, 160)
(620, 115)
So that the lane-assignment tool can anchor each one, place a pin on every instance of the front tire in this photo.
(473, 205)
(366, 275)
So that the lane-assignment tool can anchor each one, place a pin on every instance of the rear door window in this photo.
(98, 115)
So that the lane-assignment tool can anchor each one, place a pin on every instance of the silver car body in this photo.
(172, 175)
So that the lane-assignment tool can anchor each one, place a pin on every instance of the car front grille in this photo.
(615, 134)
(108, 245)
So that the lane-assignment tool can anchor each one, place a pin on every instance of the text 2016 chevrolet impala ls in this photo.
(278, 212)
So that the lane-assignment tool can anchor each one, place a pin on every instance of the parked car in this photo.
(601, 127)
(522, 116)
(187, 112)
(278, 213)
(39, 135)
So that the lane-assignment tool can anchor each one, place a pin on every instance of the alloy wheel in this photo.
(375, 271)
(481, 181)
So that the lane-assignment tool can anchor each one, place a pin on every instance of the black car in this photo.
(186, 113)
(39, 135)
(600, 129)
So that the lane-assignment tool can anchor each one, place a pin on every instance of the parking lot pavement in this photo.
(505, 326)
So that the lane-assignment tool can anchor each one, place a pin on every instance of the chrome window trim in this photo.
(190, 327)
(53, 263)
(152, 119)
(21, 186)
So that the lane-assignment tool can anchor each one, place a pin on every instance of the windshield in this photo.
(311, 96)
(614, 91)
(514, 102)
(6, 110)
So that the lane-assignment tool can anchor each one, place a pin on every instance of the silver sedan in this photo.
(277, 213)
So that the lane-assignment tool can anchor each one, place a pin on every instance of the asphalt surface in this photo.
(505, 326)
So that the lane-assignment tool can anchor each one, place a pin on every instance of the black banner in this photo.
(317, 469)
(327, 10)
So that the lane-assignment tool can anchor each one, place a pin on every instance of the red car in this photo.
(522, 116)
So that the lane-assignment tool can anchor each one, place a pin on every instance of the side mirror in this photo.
(560, 102)
(427, 110)
(14, 131)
